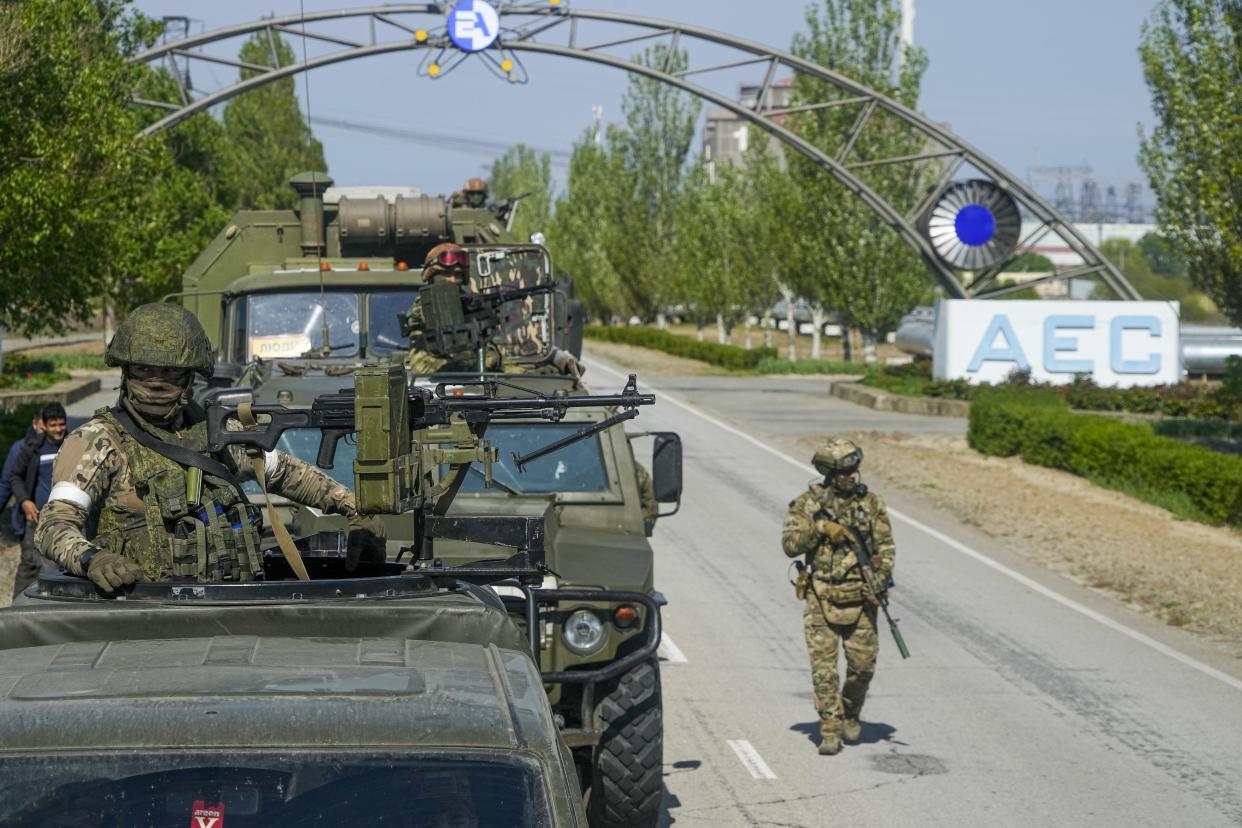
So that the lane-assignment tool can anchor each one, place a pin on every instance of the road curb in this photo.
(855, 392)
(64, 392)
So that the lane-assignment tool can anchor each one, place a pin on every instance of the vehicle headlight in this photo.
(583, 632)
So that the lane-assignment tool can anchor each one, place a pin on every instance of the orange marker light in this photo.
(363, 266)
(402, 266)
(325, 265)
(625, 616)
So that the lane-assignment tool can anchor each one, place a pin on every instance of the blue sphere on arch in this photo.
(975, 225)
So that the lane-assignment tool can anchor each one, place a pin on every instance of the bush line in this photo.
(726, 356)
(1037, 425)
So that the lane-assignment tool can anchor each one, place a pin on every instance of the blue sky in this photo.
(1054, 82)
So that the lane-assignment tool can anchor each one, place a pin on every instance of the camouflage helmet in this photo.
(837, 455)
(475, 185)
(164, 335)
(439, 259)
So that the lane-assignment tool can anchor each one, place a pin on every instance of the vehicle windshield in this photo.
(384, 329)
(287, 325)
(239, 789)
(578, 468)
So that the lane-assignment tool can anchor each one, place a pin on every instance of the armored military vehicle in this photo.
(295, 301)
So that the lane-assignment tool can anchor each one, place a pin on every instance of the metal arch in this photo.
(955, 154)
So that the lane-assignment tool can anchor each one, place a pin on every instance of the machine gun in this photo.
(447, 319)
(877, 588)
(407, 435)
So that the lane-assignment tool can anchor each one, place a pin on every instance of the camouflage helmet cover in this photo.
(164, 335)
(837, 455)
(475, 185)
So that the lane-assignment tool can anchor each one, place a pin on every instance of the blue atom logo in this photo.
(975, 225)
(473, 25)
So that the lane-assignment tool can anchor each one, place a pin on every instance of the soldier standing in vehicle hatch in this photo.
(139, 469)
(840, 613)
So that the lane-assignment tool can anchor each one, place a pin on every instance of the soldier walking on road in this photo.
(840, 612)
(165, 507)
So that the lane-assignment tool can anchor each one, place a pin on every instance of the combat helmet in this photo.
(837, 455)
(164, 335)
(475, 185)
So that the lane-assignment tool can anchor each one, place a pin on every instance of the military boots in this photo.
(851, 729)
(829, 738)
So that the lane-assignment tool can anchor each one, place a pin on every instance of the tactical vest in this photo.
(215, 539)
(836, 563)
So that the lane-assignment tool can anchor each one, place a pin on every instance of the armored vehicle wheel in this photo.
(627, 774)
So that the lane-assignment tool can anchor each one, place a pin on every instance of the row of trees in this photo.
(91, 216)
(646, 224)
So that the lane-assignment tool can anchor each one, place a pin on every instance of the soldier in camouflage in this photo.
(839, 612)
(157, 511)
(450, 262)
(473, 195)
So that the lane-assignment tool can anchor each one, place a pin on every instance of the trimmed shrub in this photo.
(1038, 425)
(776, 365)
(726, 356)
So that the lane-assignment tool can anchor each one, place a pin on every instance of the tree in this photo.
(72, 174)
(1192, 60)
(1130, 260)
(269, 139)
(1030, 263)
(850, 260)
(1162, 255)
(523, 172)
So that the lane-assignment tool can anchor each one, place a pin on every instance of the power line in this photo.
(454, 142)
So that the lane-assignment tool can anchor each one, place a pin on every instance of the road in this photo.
(1028, 701)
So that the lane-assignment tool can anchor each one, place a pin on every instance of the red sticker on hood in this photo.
(207, 816)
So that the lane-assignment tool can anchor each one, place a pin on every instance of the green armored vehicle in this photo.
(381, 700)
(295, 301)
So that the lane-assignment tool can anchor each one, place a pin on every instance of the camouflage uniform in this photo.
(473, 195)
(128, 504)
(839, 614)
(646, 497)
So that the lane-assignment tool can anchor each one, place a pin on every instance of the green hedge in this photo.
(777, 365)
(1037, 425)
(726, 356)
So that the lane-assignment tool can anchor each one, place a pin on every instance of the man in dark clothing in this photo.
(31, 480)
(16, 521)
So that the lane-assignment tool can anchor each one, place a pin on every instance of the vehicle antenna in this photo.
(324, 335)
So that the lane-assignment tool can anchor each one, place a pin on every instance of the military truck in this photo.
(296, 300)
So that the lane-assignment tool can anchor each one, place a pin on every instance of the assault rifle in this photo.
(447, 319)
(877, 588)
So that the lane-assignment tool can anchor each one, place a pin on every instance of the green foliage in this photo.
(268, 139)
(776, 365)
(726, 356)
(1192, 60)
(522, 171)
(1132, 262)
(91, 213)
(614, 230)
(30, 381)
(69, 167)
(1037, 425)
(1162, 256)
(1030, 263)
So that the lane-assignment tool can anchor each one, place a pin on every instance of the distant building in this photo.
(1062, 255)
(726, 135)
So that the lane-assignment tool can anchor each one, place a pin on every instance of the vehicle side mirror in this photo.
(666, 469)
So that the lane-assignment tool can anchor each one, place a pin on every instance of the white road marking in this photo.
(670, 652)
(958, 546)
(751, 759)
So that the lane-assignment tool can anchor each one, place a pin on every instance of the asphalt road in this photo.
(1028, 701)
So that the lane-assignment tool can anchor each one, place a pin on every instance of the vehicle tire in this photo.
(627, 776)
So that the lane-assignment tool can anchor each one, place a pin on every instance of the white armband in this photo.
(271, 462)
(71, 493)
